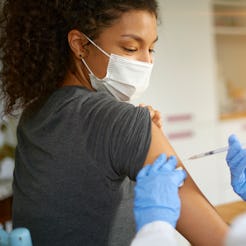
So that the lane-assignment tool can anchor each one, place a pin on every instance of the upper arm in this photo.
(159, 144)
(198, 221)
(119, 135)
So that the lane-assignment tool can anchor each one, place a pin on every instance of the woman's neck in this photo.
(72, 78)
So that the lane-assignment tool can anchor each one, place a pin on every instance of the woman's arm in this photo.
(198, 223)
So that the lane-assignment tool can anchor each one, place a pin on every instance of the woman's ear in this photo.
(77, 42)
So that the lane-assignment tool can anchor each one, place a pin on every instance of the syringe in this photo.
(211, 152)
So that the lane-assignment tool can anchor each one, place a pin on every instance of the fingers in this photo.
(159, 162)
(234, 148)
(178, 174)
(170, 164)
(162, 164)
(148, 169)
(239, 160)
(151, 111)
(157, 118)
(179, 177)
(144, 172)
(154, 114)
(232, 138)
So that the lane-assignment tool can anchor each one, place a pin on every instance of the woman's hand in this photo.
(154, 114)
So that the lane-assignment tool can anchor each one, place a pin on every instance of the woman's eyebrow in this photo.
(137, 38)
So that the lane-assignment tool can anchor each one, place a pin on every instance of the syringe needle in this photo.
(211, 152)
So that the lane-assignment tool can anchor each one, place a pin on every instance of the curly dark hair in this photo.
(34, 49)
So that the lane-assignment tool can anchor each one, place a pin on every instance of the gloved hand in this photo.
(4, 237)
(17, 237)
(236, 160)
(156, 192)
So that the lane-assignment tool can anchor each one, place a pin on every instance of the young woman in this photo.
(70, 65)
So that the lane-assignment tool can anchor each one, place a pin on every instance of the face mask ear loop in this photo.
(104, 52)
(82, 59)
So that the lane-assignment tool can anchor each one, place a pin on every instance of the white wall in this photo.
(183, 76)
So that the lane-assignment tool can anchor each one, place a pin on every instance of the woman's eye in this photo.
(130, 49)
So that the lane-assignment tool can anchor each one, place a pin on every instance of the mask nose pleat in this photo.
(131, 72)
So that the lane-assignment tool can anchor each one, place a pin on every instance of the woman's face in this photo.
(132, 36)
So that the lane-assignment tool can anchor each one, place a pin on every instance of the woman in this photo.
(70, 65)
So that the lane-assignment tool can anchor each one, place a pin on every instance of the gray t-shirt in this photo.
(73, 154)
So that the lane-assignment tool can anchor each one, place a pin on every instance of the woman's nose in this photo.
(146, 56)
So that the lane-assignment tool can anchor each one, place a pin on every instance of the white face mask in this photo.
(125, 79)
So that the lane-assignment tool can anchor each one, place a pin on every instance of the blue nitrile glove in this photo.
(236, 160)
(156, 192)
(17, 237)
(20, 237)
(4, 238)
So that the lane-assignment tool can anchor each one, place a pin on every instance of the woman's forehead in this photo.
(133, 24)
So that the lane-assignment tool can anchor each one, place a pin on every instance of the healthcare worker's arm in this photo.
(157, 203)
(237, 235)
(199, 222)
(236, 160)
